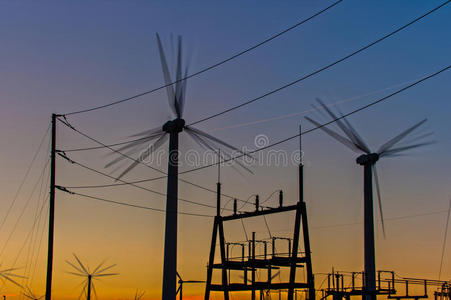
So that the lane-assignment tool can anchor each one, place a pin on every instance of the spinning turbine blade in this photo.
(103, 275)
(204, 144)
(149, 132)
(145, 154)
(360, 143)
(75, 267)
(104, 269)
(81, 265)
(395, 151)
(343, 127)
(210, 137)
(139, 142)
(385, 147)
(83, 290)
(419, 137)
(183, 92)
(94, 289)
(378, 191)
(128, 153)
(167, 77)
(77, 274)
(178, 76)
(335, 135)
(10, 280)
(98, 267)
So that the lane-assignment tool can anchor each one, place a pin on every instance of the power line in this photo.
(299, 134)
(132, 184)
(320, 69)
(23, 209)
(25, 177)
(209, 67)
(132, 205)
(103, 145)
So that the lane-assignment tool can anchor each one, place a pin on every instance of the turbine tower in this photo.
(368, 159)
(171, 129)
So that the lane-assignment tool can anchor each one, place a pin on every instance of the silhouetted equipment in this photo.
(159, 135)
(270, 260)
(346, 284)
(181, 282)
(444, 292)
(368, 160)
(84, 271)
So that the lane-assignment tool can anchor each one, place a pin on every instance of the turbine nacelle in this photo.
(367, 159)
(174, 126)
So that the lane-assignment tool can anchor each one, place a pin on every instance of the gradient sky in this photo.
(63, 56)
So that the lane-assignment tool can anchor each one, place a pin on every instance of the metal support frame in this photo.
(269, 262)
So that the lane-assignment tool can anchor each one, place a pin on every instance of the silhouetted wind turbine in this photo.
(181, 282)
(368, 160)
(159, 136)
(90, 276)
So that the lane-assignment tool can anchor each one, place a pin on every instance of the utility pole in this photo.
(48, 290)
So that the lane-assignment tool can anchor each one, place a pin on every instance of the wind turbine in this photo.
(171, 129)
(90, 276)
(368, 159)
(30, 295)
(181, 282)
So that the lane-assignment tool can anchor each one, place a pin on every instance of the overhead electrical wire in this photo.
(209, 67)
(296, 135)
(5, 244)
(103, 145)
(134, 205)
(320, 69)
(25, 177)
(132, 184)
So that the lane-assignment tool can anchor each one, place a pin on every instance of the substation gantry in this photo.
(267, 260)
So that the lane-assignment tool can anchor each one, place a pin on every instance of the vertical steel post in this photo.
(89, 287)
(253, 266)
(48, 290)
(170, 237)
(370, 265)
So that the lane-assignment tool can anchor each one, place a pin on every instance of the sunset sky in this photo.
(62, 56)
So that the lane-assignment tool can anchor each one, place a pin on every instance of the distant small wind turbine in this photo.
(368, 160)
(171, 130)
(181, 282)
(90, 276)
